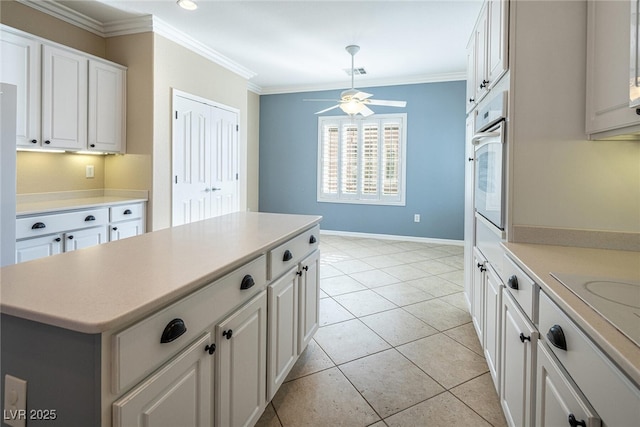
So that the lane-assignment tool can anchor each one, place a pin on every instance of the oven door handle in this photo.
(481, 135)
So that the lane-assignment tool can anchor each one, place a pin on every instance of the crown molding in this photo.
(431, 78)
(134, 26)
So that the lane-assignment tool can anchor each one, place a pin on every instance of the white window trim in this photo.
(399, 200)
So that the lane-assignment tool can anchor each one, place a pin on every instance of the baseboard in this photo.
(392, 237)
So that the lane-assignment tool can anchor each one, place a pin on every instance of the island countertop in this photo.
(106, 286)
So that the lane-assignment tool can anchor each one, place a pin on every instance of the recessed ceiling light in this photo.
(188, 4)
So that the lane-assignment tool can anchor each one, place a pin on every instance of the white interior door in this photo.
(224, 190)
(205, 161)
(191, 161)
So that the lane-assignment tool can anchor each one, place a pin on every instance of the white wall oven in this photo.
(490, 157)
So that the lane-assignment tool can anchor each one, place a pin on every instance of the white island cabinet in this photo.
(173, 327)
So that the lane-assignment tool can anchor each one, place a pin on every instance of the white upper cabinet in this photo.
(497, 44)
(608, 70)
(20, 66)
(64, 98)
(107, 112)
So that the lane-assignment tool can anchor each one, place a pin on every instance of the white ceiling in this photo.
(299, 45)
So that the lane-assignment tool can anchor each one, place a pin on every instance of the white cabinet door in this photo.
(179, 394)
(309, 297)
(469, 218)
(492, 310)
(122, 230)
(80, 239)
(497, 14)
(107, 109)
(480, 42)
(283, 329)
(558, 398)
(471, 73)
(38, 247)
(20, 66)
(518, 344)
(64, 99)
(478, 292)
(242, 364)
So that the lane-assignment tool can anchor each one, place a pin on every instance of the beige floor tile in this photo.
(398, 327)
(405, 272)
(349, 340)
(456, 261)
(439, 314)
(458, 300)
(352, 266)
(329, 271)
(361, 252)
(403, 294)
(313, 359)
(389, 382)
(443, 410)
(434, 266)
(374, 278)
(445, 360)
(467, 336)
(432, 253)
(480, 395)
(322, 399)
(384, 261)
(409, 246)
(269, 418)
(331, 257)
(456, 277)
(340, 285)
(452, 249)
(331, 312)
(323, 294)
(363, 303)
(435, 285)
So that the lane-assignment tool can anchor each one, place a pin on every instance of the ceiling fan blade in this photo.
(324, 100)
(366, 111)
(362, 95)
(327, 109)
(386, 103)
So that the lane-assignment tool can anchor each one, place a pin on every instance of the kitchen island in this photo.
(85, 328)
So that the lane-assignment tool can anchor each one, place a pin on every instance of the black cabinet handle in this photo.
(288, 256)
(127, 212)
(34, 141)
(312, 239)
(484, 84)
(174, 330)
(92, 145)
(471, 99)
(57, 239)
(247, 282)
(70, 237)
(574, 423)
(47, 142)
(305, 268)
(555, 335)
(524, 338)
(227, 334)
(299, 273)
(513, 282)
(115, 228)
(481, 267)
(38, 225)
(210, 348)
(90, 218)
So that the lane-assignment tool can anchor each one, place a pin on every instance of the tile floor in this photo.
(396, 346)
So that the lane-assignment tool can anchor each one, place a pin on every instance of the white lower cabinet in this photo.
(38, 247)
(241, 368)
(86, 238)
(123, 230)
(179, 394)
(492, 310)
(559, 401)
(478, 280)
(517, 363)
(309, 300)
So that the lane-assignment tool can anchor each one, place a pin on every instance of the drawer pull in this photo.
(127, 212)
(556, 337)
(174, 330)
(312, 239)
(38, 225)
(90, 218)
(210, 348)
(247, 282)
(70, 237)
(575, 423)
(513, 282)
(523, 338)
(288, 256)
(227, 334)
(115, 228)
(57, 239)
(34, 141)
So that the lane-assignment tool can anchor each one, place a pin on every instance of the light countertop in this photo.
(106, 286)
(540, 260)
(42, 203)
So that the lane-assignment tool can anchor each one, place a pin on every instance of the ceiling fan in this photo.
(352, 101)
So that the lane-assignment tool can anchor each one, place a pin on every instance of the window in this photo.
(362, 160)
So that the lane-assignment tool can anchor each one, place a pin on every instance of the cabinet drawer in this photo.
(126, 212)
(47, 224)
(138, 351)
(612, 395)
(521, 287)
(291, 252)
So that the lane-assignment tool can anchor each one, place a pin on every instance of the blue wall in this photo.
(435, 161)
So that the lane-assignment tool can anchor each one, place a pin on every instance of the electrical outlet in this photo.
(90, 171)
(416, 218)
(15, 401)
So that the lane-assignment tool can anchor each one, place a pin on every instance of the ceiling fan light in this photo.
(352, 107)
(188, 4)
